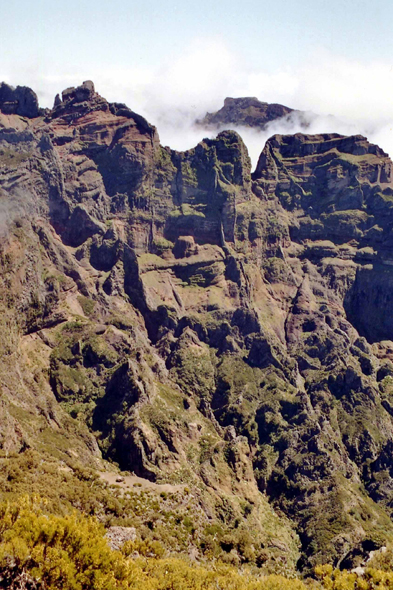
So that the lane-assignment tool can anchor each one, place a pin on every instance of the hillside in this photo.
(224, 334)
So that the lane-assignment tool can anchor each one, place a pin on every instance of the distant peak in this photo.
(242, 100)
(247, 111)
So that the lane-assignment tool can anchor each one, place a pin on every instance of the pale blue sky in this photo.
(172, 61)
(268, 34)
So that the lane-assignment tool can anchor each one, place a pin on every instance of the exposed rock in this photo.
(247, 112)
(18, 101)
(80, 93)
(118, 535)
(81, 226)
(185, 246)
(209, 328)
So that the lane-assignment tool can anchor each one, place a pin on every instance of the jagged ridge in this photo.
(207, 327)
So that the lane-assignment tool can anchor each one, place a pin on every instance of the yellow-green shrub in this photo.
(373, 579)
(70, 552)
(67, 552)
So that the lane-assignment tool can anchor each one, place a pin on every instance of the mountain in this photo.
(250, 112)
(223, 339)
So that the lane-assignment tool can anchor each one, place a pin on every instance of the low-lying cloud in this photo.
(344, 96)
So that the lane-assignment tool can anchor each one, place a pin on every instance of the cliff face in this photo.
(340, 190)
(198, 326)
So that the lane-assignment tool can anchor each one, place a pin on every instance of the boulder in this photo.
(185, 246)
(81, 93)
(21, 101)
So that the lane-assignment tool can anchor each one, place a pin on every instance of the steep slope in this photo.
(204, 328)
(87, 195)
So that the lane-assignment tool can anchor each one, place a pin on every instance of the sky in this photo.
(172, 61)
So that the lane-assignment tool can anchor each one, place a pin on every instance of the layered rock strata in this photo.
(200, 325)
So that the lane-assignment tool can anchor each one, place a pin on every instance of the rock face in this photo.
(246, 112)
(79, 94)
(18, 101)
(344, 188)
(201, 326)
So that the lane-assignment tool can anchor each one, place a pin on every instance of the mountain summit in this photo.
(247, 112)
(224, 339)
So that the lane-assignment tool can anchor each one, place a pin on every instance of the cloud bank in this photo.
(347, 96)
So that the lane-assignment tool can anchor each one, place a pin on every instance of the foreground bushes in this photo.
(47, 552)
(70, 553)
(67, 552)
(371, 580)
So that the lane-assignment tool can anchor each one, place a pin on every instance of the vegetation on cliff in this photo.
(44, 551)
(220, 342)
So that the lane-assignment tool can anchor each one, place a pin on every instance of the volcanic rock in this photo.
(18, 101)
(200, 325)
(246, 112)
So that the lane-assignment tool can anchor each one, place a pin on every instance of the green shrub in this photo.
(70, 552)
(86, 304)
(67, 552)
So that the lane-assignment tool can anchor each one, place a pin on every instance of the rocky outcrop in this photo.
(339, 190)
(246, 112)
(18, 101)
(209, 328)
(81, 93)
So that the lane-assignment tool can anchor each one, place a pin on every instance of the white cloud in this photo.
(348, 96)
(174, 94)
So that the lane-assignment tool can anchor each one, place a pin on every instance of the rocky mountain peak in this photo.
(201, 326)
(246, 111)
(83, 92)
(245, 102)
(18, 101)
